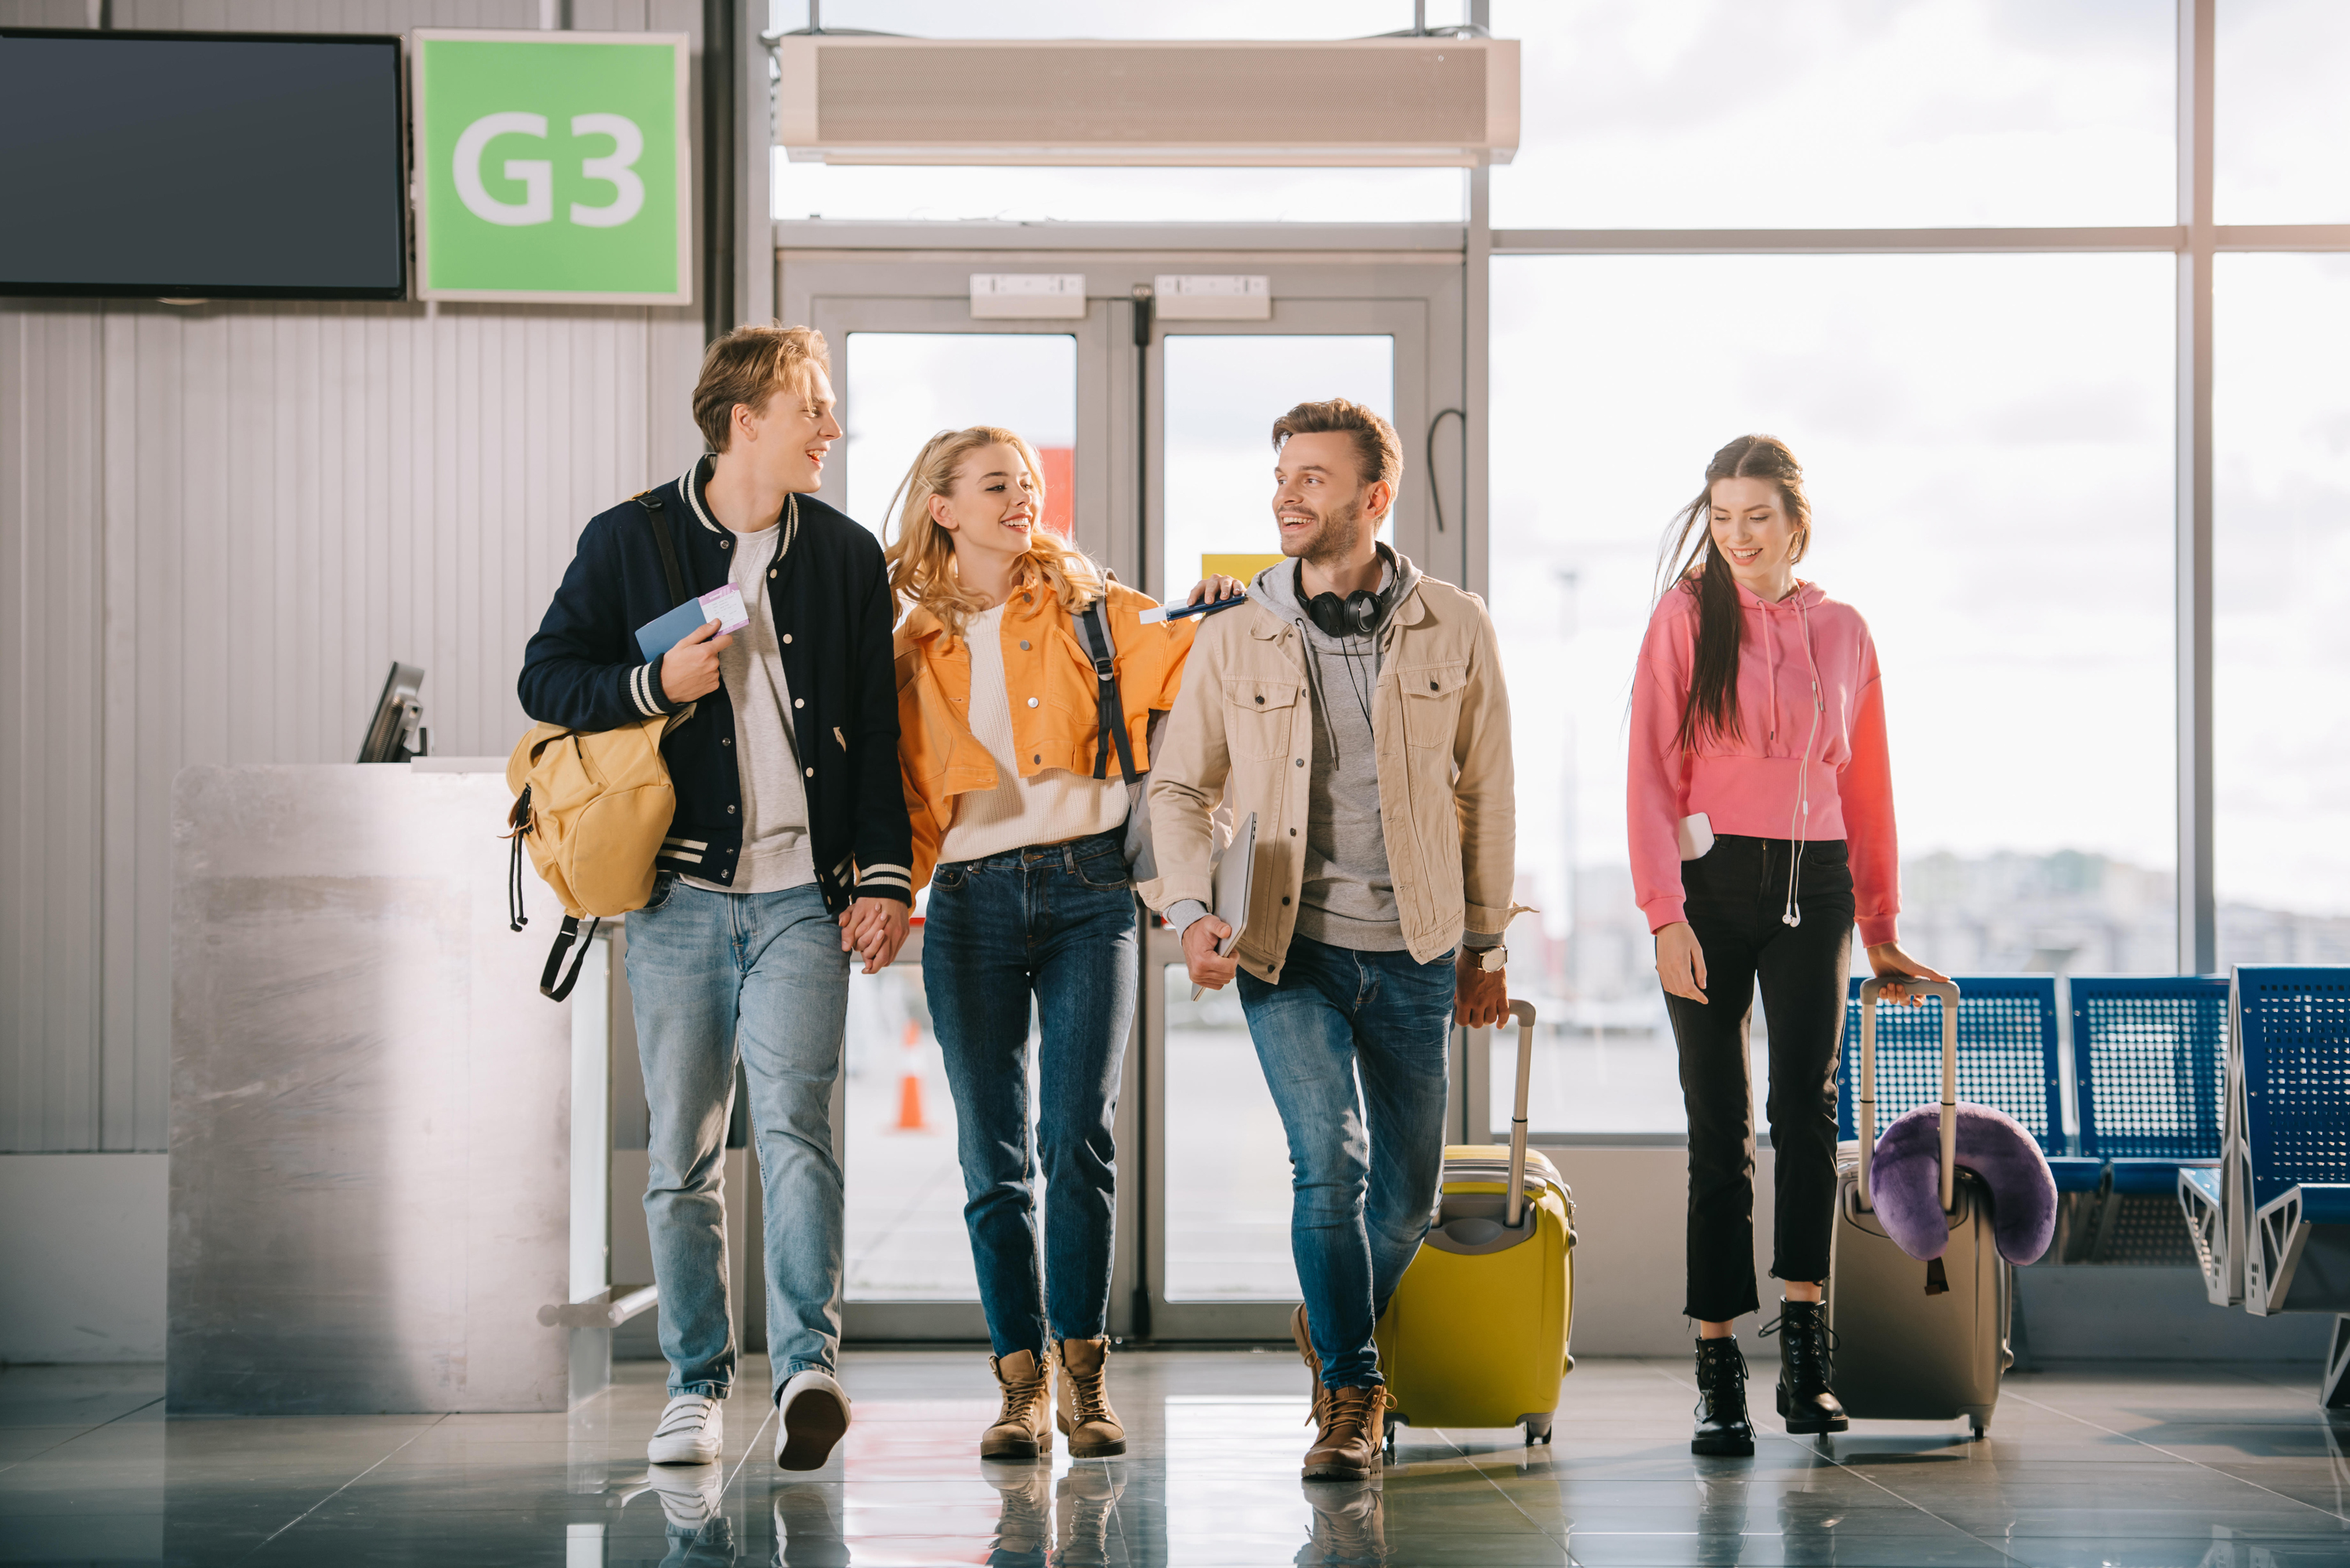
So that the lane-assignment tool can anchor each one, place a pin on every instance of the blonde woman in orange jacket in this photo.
(1019, 815)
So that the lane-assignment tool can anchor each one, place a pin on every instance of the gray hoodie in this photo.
(1348, 898)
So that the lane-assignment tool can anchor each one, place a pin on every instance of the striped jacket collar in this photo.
(689, 484)
(695, 480)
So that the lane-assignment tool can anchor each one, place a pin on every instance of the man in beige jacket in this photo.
(1357, 707)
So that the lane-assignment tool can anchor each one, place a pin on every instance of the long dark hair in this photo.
(1699, 570)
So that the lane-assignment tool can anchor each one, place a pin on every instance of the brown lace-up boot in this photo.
(1085, 1417)
(1346, 1446)
(1303, 1337)
(1022, 1430)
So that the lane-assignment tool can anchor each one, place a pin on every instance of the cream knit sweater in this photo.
(1050, 808)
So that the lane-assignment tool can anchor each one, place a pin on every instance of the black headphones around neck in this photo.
(1354, 615)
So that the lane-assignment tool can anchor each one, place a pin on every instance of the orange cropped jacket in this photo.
(1054, 702)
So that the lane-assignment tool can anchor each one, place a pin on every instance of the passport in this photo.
(723, 605)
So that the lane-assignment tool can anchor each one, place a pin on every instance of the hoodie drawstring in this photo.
(1799, 826)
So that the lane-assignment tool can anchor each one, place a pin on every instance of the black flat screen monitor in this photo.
(210, 165)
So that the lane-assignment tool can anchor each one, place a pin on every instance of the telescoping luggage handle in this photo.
(1865, 1122)
(1524, 1011)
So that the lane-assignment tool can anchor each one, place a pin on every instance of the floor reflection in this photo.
(2175, 1467)
(1348, 1526)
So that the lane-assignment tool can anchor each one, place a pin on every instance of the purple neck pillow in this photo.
(1905, 1181)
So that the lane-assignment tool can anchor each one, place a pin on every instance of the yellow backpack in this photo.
(592, 806)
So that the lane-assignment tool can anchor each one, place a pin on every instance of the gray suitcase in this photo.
(1905, 1349)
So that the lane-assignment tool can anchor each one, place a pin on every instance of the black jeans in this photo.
(1737, 893)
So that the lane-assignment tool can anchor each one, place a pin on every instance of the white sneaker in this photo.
(813, 1414)
(693, 1431)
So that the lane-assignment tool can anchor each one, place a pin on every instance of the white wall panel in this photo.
(49, 739)
(222, 524)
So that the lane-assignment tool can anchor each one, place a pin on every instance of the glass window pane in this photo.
(904, 388)
(2280, 602)
(1227, 1161)
(1219, 444)
(1819, 113)
(1988, 446)
(2282, 116)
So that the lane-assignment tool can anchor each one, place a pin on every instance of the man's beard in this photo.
(1335, 537)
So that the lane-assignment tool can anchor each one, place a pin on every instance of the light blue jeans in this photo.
(761, 974)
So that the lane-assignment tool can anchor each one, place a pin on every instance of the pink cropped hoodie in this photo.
(1782, 775)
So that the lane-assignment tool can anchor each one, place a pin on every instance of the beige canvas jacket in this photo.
(1242, 733)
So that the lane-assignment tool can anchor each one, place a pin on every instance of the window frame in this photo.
(2194, 241)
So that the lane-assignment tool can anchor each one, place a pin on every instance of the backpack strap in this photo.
(547, 986)
(660, 521)
(519, 820)
(1111, 717)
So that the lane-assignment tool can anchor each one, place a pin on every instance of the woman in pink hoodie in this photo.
(1760, 805)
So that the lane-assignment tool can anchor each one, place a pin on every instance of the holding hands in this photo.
(874, 929)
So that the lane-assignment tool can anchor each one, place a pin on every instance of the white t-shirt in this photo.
(776, 854)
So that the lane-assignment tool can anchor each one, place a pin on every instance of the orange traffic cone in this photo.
(910, 1087)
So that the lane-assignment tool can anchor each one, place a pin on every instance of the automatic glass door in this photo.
(1159, 457)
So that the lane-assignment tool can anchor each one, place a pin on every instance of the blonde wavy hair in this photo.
(921, 554)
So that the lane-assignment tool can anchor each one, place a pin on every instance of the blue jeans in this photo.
(761, 974)
(1364, 1163)
(1054, 921)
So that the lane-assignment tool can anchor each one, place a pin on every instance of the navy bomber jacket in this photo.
(830, 593)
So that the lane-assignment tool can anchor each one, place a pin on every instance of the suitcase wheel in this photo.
(1538, 1430)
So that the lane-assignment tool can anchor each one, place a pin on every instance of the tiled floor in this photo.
(2218, 1467)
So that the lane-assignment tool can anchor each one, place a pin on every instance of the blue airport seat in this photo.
(2293, 1026)
(2007, 1059)
(2202, 1199)
(2325, 1203)
(2075, 1173)
(2150, 1075)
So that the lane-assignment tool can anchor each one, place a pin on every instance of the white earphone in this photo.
(1799, 826)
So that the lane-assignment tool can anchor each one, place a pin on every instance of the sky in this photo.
(1988, 439)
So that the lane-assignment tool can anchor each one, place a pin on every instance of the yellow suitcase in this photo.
(1476, 1335)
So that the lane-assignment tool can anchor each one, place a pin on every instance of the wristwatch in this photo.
(1493, 959)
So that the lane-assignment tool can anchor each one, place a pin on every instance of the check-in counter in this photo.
(389, 1152)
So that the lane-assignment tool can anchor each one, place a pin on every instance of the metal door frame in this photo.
(1414, 297)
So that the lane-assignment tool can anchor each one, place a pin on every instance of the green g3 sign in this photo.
(553, 166)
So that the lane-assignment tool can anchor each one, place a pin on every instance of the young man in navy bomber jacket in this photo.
(789, 852)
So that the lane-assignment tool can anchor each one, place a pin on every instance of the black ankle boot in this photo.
(1722, 1425)
(1806, 1367)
